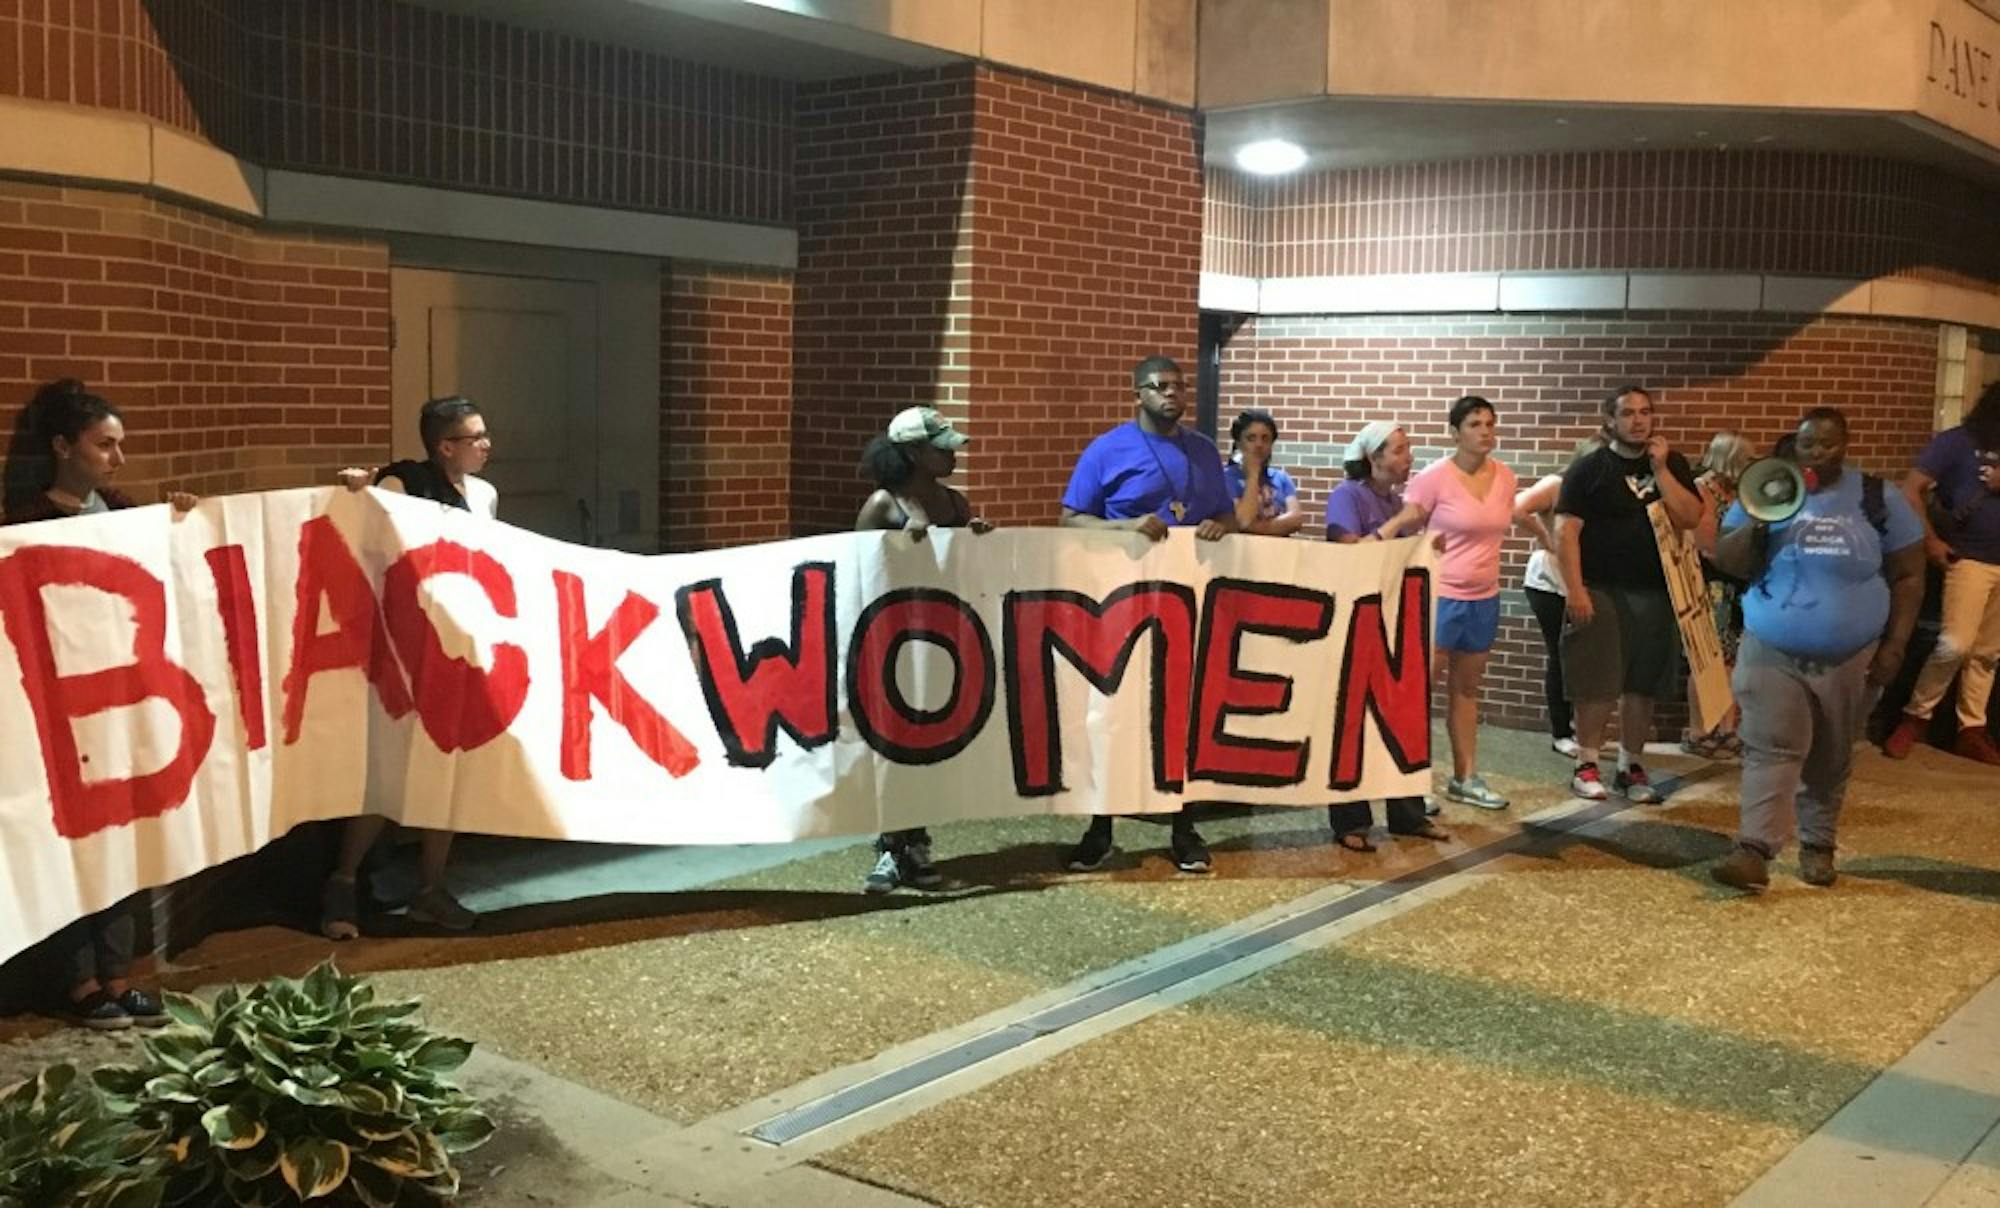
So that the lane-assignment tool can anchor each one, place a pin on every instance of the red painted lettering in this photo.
(1393, 689)
(1098, 640)
(328, 573)
(239, 632)
(590, 671)
(84, 808)
(1223, 689)
(461, 705)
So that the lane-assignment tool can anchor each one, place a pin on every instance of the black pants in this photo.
(1549, 609)
(1405, 816)
(98, 947)
(897, 841)
(1182, 823)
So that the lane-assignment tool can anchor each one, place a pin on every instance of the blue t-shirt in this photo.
(1354, 507)
(1821, 594)
(1974, 528)
(1278, 489)
(1127, 473)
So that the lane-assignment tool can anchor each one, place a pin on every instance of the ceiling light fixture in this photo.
(1271, 157)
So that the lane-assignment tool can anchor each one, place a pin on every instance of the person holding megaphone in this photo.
(1835, 566)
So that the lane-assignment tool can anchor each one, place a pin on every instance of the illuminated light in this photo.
(1271, 157)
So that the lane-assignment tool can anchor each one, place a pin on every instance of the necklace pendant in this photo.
(1179, 510)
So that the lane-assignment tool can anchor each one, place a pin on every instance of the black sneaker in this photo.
(1094, 848)
(918, 868)
(1190, 853)
(1816, 866)
(144, 1009)
(339, 913)
(1743, 869)
(99, 1012)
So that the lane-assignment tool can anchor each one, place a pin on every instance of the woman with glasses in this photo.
(456, 448)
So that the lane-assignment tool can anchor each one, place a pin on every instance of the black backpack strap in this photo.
(1872, 504)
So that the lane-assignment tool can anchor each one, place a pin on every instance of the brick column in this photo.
(1000, 246)
(726, 410)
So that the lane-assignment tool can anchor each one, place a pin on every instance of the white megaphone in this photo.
(1773, 489)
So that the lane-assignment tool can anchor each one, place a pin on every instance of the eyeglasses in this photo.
(1163, 387)
(477, 438)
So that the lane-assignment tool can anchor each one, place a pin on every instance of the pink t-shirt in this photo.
(1470, 566)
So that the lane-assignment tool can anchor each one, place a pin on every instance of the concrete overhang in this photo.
(1370, 82)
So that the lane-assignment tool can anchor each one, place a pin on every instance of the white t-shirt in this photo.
(481, 496)
(1543, 574)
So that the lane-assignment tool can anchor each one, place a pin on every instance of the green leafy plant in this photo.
(61, 1144)
(298, 1090)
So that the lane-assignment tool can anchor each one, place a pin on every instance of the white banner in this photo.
(177, 691)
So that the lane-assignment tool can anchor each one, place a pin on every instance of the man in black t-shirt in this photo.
(1621, 643)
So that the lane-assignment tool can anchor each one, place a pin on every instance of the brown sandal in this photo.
(1356, 841)
(1431, 831)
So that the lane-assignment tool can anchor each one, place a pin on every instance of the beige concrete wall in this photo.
(1260, 50)
(1141, 46)
(1960, 80)
(1814, 54)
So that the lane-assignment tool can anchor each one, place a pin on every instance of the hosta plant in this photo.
(59, 1144)
(299, 1090)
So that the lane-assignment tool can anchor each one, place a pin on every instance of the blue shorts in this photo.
(1468, 626)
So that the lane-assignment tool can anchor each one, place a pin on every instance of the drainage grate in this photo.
(789, 1126)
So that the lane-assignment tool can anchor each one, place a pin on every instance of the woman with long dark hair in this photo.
(68, 447)
(1267, 500)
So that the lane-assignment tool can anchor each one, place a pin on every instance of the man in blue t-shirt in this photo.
(1149, 476)
(1955, 489)
(1833, 594)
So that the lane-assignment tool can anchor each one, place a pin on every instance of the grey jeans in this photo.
(1801, 718)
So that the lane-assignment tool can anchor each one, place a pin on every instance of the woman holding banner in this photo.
(908, 464)
(68, 447)
(456, 447)
(1467, 499)
(1377, 466)
(1270, 506)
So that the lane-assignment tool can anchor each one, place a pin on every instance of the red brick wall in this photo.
(726, 410)
(1324, 377)
(1735, 211)
(882, 169)
(395, 91)
(1086, 257)
(243, 360)
(1000, 246)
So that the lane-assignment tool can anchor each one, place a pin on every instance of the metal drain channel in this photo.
(789, 1126)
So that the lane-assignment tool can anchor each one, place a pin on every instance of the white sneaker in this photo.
(1473, 791)
(1588, 783)
(885, 876)
(1565, 747)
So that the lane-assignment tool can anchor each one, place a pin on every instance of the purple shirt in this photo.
(1974, 511)
(1355, 509)
(1127, 472)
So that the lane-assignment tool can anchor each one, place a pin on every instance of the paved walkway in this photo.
(1556, 1007)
